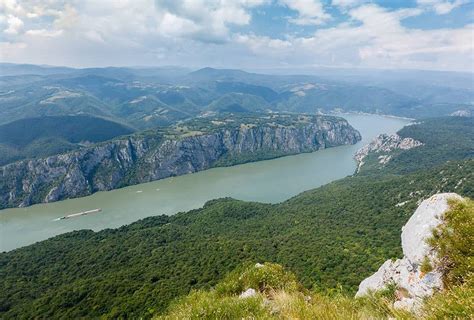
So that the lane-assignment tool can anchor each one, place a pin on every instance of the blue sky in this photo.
(247, 34)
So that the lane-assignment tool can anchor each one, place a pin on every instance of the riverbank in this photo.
(269, 181)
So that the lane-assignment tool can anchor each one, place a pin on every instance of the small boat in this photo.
(74, 215)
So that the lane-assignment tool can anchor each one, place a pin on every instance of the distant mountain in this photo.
(11, 69)
(44, 136)
(148, 97)
(239, 102)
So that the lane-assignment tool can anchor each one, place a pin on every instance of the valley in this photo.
(237, 159)
(187, 147)
(264, 181)
(330, 237)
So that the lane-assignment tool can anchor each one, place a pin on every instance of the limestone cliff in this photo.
(151, 156)
(383, 145)
(407, 273)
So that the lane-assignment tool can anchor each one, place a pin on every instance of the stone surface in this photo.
(248, 293)
(385, 143)
(427, 216)
(405, 273)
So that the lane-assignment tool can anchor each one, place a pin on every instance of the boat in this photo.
(83, 213)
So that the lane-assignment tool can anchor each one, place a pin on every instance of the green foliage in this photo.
(40, 137)
(266, 277)
(283, 300)
(330, 237)
(455, 303)
(207, 305)
(389, 292)
(454, 242)
(426, 266)
(444, 139)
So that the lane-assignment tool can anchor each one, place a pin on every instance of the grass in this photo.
(280, 296)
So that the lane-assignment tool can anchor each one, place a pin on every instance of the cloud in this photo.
(205, 20)
(221, 33)
(442, 6)
(14, 25)
(44, 33)
(310, 12)
(347, 3)
(376, 38)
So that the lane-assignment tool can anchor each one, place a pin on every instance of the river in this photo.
(265, 181)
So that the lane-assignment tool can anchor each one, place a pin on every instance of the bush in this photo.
(263, 278)
(454, 243)
(207, 305)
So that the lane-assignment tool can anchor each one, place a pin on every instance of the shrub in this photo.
(426, 266)
(454, 242)
(263, 278)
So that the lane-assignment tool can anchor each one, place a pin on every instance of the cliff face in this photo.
(413, 283)
(383, 145)
(143, 158)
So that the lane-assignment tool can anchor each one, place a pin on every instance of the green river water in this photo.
(265, 181)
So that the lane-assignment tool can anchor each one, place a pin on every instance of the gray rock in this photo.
(418, 229)
(385, 143)
(248, 293)
(405, 273)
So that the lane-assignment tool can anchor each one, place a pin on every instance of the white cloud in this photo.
(442, 6)
(347, 3)
(216, 33)
(44, 33)
(209, 20)
(269, 45)
(14, 25)
(310, 12)
(377, 39)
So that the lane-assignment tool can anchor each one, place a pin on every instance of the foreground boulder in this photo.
(415, 275)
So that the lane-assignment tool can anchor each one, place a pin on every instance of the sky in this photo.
(241, 34)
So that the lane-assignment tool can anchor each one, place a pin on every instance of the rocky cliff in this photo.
(383, 145)
(146, 157)
(412, 281)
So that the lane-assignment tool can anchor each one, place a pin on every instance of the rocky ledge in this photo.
(383, 144)
(146, 157)
(412, 283)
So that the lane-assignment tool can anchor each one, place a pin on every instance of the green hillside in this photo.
(446, 138)
(44, 136)
(170, 95)
(330, 238)
(238, 103)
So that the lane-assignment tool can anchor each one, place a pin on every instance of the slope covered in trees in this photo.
(331, 237)
(44, 136)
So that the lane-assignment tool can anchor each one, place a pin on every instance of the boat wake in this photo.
(74, 215)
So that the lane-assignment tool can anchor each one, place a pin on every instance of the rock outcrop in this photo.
(383, 144)
(146, 157)
(462, 113)
(412, 283)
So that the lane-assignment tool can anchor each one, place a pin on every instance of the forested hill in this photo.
(150, 97)
(440, 139)
(44, 136)
(334, 235)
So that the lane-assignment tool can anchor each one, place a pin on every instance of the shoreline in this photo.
(369, 114)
